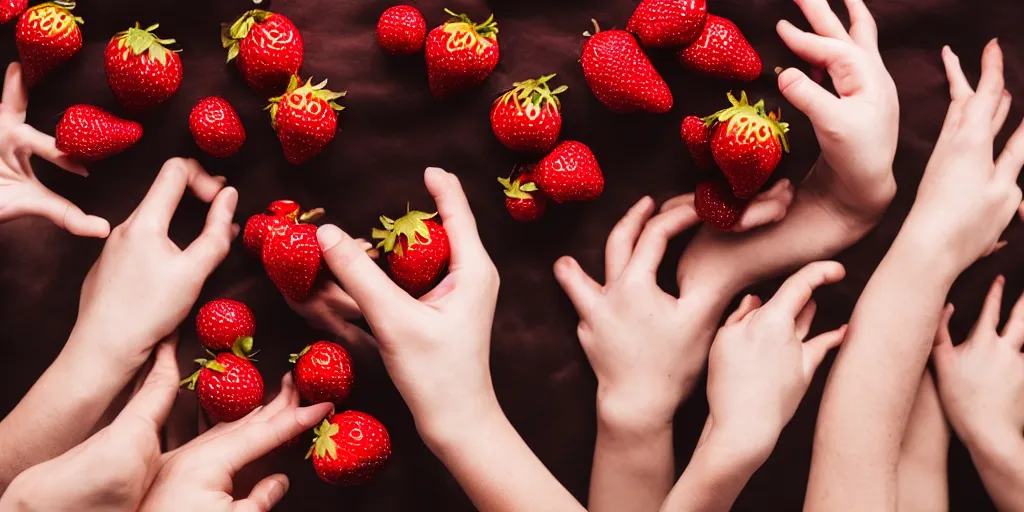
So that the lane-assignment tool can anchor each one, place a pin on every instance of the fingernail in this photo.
(435, 171)
(311, 415)
(329, 235)
(232, 197)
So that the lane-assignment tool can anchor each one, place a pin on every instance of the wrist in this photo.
(630, 420)
(443, 431)
(917, 240)
(745, 450)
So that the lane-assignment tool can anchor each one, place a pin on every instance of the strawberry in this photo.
(278, 213)
(216, 127)
(141, 71)
(666, 23)
(716, 204)
(228, 386)
(268, 49)
(305, 119)
(523, 199)
(10, 9)
(291, 257)
(401, 30)
(460, 54)
(570, 173)
(323, 372)
(417, 250)
(697, 137)
(620, 74)
(747, 144)
(222, 322)
(349, 448)
(90, 133)
(722, 51)
(47, 35)
(528, 117)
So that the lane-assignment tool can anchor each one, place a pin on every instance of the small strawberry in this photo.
(305, 119)
(570, 173)
(47, 35)
(716, 204)
(89, 133)
(697, 136)
(141, 71)
(216, 127)
(10, 9)
(722, 51)
(323, 372)
(268, 49)
(291, 257)
(417, 249)
(620, 74)
(747, 144)
(349, 448)
(228, 386)
(222, 322)
(528, 117)
(666, 23)
(523, 199)
(282, 211)
(460, 54)
(401, 30)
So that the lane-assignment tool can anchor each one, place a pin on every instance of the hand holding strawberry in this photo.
(47, 35)
(305, 119)
(141, 70)
(460, 54)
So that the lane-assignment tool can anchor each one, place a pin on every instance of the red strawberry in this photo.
(523, 199)
(620, 74)
(278, 213)
(723, 52)
(141, 71)
(9, 9)
(305, 119)
(268, 48)
(665, 23)
(528, 117)
(401, 30)
(47, 35)
(323, 372)
(460, 54)
(716, 205)
(417, 249)
(570, 173)
(220, 323)
(349, 448)
(89, 133)
(291, 257)
(747, 144)
(216, 127)
(229, 386)
(697, 135)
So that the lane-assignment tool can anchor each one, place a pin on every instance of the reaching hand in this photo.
(328, 307)
(21, 193)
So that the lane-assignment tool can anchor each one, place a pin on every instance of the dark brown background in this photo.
(391, 130)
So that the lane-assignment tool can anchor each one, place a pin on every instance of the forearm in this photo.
(634, 466)
(1000, 463)
(715, 476)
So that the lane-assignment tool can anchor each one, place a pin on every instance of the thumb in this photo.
(66, 215)
(155, 397)
(816, 348)
(806, 95)
(581, 289)
(942, 350)
(265, 495)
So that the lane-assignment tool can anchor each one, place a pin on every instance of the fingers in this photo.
(213, 244)
(816, 50)
(942, 349)
(805, 319)
(806, 95)
(66, 215)
(677, 201)
(256, 439)
(650, 248)
(988, 319)
(815, 349)
(822, 19)
(287, 398)
(177, 174)
(619, 248)
(1002, 112)
(459, 223)
(265, 495)
(155, 398)
(14, 101)
(959, 87)
(1013, 331)
(863, 29)
(797, 290)
(375, 293)
(45, 147)
(1012, 158)
(748, 305)
(981, 107)
(581, 289)
(766, 208)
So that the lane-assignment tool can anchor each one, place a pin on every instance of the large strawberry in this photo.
(523, 200)
(349, 448)
(716, 205)
(620, 74)
(747, 143)
(305, 118)
(417, 249)
(528, 117)
(697, 136)
(90, 133)
(47, 35)
(222, 322)
(667, 23)
(278, 213)
(10, 9)
(323, 372)
(291, 257)
(460, 54)
(228, 386)
(216, 127)
(141, 71)
(722, 51)
(401, 30)
(570, 173)
(268, 49)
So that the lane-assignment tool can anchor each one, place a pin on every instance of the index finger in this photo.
(459, 223)
(797, 290)
(14, 101)
(155, 398)
(256, 439)
(981, 108)
(163, 197)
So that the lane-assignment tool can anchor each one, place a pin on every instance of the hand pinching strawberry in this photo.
(460, 54)
(417, 249)
(349, 448)
(141, 70)
(529, 116)
(323, 373)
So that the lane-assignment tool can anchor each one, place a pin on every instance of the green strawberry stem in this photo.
(209, 364)
(323, 445)
(743, 106)
(66, 5)
(488, 28)
(294, 358)
(242, 347)
(230, 35)
(534, 92)
(516, 189)
(410, 225)
(317, 91)
(597, 28)
(143, 40)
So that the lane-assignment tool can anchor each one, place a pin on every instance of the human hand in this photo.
(760, 366)
(328, 307)
(112, 469)
(21, 193)
(143, 285)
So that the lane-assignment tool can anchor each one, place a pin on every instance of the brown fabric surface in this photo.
(391, 130)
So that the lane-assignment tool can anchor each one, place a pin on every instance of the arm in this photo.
(924, 454)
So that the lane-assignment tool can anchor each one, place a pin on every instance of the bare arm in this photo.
(924, 454)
